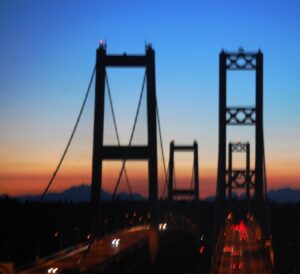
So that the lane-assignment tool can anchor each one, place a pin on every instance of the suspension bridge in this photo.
(238, 244)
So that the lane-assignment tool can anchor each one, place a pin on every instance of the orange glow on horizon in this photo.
(34, 184)
(22, 178)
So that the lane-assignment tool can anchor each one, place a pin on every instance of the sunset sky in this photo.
(47, 54)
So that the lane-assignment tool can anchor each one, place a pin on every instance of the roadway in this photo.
(242, 251)
(101, 252)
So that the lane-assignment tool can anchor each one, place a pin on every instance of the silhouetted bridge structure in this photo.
(245, 247)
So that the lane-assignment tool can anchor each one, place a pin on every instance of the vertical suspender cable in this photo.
(131, 137)
(116, 130)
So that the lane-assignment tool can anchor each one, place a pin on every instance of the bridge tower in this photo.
(240, 116)
(194, 192)
(103, 152)
(239, 178)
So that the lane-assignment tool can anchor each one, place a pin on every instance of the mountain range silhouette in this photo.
(82, 193)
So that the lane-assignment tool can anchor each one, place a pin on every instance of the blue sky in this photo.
(47, 52)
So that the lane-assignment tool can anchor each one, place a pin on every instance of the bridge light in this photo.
(102, 44)
(56, 234)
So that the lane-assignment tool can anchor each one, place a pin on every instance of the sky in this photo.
(47, 54)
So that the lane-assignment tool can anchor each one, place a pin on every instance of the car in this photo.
(115, 242)
(227, 249)
(236, 253)
(237, 266)
(162, 226)
(243, 237)
(53, 270)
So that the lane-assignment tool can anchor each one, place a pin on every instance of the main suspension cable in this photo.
(40, 201)
(70, 139)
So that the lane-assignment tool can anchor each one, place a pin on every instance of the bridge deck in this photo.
(242, 252)
(102, 251)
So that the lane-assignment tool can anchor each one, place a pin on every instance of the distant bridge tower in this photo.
(240, 116)
(239, 178)
(194, 192)
(103, 152)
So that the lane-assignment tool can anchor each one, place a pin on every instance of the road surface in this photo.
(242, 252)
(100, 252)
